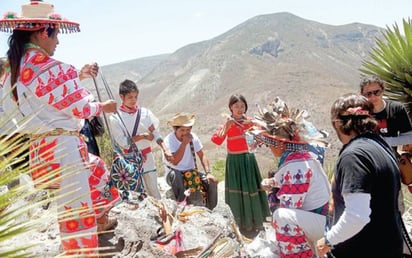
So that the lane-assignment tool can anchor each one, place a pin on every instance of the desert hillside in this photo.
(306, 63)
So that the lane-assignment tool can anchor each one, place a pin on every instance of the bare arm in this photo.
(206, 166)
(180, 152)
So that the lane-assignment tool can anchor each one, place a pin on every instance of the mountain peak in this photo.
(304, 62)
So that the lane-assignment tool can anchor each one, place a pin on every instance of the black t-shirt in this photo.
(365, 165)
(393, 119)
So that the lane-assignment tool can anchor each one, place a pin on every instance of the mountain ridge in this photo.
(306, 63)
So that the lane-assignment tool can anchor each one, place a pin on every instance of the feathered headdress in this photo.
(289, 125)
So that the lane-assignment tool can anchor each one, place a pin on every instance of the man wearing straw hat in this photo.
(185, 146)
(52, 106)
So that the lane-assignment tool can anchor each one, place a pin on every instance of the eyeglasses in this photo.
(373, 92)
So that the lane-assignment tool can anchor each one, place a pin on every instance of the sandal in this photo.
(127, 249)
(160, 232)
(105, 223)
(131, 248)
(171, 243)
(137, 246)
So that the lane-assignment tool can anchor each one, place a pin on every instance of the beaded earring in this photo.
(44, 34)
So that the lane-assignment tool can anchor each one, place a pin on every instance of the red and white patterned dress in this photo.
(304, 193)
(52, 100)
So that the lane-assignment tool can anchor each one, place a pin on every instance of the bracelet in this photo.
(207, 172)
(327, 243)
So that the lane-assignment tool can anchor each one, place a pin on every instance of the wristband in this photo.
(327, 243)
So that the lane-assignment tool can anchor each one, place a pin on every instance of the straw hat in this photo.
(34, 16)
(182, 119)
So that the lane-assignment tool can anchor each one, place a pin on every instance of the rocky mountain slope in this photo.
(306, 63)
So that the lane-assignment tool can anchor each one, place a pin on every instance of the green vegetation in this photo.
(329, 167)
(106, 149)
(391, 60)
(218, 170)
(17, 201)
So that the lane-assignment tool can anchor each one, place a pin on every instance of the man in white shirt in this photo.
(184, 146)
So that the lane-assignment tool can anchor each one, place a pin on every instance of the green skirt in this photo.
(247, 200)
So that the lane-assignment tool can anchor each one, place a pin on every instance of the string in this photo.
(110, 95)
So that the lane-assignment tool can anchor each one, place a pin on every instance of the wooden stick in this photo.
(209, 245)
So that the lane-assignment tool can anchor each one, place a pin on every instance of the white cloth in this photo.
(187, 162)
(8, 121)
(147, 118)
(402, 139)
(318, 192)
(304, 190)
(353, 219)
(50, 96)
(54, 109)
(150, 177)
(312, 224)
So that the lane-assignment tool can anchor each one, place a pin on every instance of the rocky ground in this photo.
(139, 232)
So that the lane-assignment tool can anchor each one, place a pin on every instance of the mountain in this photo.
(306, 63)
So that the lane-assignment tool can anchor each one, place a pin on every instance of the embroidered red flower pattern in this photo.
(26, 75)
(44, 163)
(72, 225)
(39, 58)
(89, 221)
(70, 244)
(92, 241)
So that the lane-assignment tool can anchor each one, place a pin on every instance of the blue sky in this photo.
(115, 31)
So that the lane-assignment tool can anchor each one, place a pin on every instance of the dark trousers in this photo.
(175, 180)
(90, 139)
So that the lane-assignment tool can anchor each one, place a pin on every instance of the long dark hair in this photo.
(354, 114)
(2, 64)
(236, 98)
(17, 42)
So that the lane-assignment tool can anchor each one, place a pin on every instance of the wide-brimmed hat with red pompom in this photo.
(36, 15)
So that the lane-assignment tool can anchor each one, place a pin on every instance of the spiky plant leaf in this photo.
(391, 60)
(18, 203)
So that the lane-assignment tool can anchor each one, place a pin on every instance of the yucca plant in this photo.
(20, 203)
(391, 60)
(12, 212)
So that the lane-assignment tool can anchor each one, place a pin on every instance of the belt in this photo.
(146, 150)
(143, 151)
(322, 210)
(181, 171)
(55, 132)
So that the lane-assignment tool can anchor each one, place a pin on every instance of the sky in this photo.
(116, 31)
